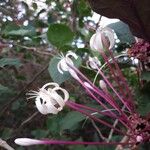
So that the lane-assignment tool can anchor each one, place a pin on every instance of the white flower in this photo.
(93, 63)
(65, 60)
(103, 38)
(48, 100)
(63, 64)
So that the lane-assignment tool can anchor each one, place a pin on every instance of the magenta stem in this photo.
(81, 143)
(110, 85)
(95, 110)
(102, 94)
(96, 119)
(116, 78)
(122, 78)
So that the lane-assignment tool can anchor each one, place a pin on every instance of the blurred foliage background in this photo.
(32, 34)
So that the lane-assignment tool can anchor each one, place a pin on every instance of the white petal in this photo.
(70, 53)
(73, 74)
(46, 108)
(50, 84)
(66, 94)
(59, 67)
(51, 109)
(57, 97)
(92, 42)
(110, 35)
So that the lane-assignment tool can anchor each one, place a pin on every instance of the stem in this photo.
(112, 130)
(80, 143)
(99, 132)
(101, 93)
(116, 79)
(97, 111)
(96, 119)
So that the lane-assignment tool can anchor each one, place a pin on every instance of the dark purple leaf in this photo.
(136, 13)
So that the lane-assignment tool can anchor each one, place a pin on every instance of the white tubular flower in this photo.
(65, 60)
(103, 38)
(27, 141)
(48, 100)
(93, 63)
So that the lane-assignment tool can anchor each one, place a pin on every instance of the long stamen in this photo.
(98, 92)
(96, 119)
(116, 79)
(122, 78)
(97, 111)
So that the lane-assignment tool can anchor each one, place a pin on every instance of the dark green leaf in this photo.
(21, 32)
(6, 133)
(10, 61)
(145, 75)
(4, 89)
(59, 34)
(123, 32)
(39, 133)
(71, 119)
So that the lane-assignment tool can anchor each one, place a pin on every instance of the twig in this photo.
(99, 132)
(5, 145)
(6, 106)
(28, 119)
(114, 125)
(34, 49)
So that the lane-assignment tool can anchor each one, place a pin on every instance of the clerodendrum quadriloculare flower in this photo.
(48, 100)
(118, 104)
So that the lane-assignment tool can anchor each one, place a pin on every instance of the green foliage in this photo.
(59, 34)
(39, 133)
(145, 76)
(123, 32)
(6, 133)
(143, 96)
(20, 32)
(10, 62)
(71, 120)
(5, 90)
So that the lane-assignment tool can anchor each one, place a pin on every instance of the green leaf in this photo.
(55, 74)
(39, 133)
(83, 8)
(71, 120)
(145, 75)
(59, 34)
(10, 27)
(10, 61)
(4, 89)
(23, 31)
(6, 134)
(123, 32)
(53, 125)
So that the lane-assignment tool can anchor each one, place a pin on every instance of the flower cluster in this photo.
(118, 106)
(141, 51)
